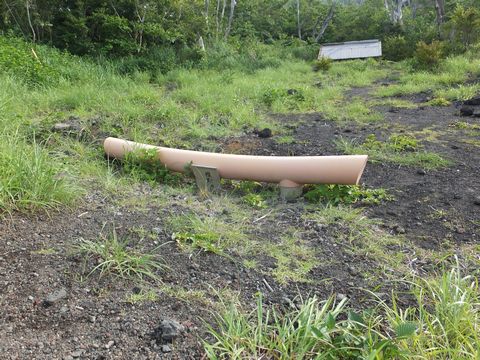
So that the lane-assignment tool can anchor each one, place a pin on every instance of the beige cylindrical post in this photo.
(288, 171)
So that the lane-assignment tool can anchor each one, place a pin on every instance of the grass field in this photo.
(56, 108)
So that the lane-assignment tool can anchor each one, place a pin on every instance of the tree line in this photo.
(116, 28)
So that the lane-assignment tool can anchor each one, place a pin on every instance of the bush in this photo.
(160, 59)
(465, 27)
(396, 48)
(248, 57)
(428, 56)
(19, 59)
(322, 64)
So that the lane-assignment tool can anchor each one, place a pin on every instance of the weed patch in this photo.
(294, 259)
(398, 149)
(115, 256)
(144, 165)
(345, 194)
(210, 234)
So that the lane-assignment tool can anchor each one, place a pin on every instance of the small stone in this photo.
(460, 230)
(352, 271)
(476, 200)
(62, 127)
(63, 309)
(169, 329)
(166, 349)
(77, 353)
(157, 230)
(341, 296)
(399, 229)
(54, 297)
(109, 344)
(136, 290)
(421, 172)
(265, 133)
(454, 147)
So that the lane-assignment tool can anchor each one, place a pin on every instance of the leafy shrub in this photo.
(396, 48)
(345, 194)
(322, 64)
(19, 59)
(428, 56)
(143, 165)
(464, 25)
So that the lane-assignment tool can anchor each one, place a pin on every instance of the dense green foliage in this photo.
(166, 33)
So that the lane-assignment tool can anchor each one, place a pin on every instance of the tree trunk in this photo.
(440, 11)
(397, 12)
(299, 28)
(230, 18)
(34, 34)
(207, 9)
(217, 18)
(326, 22)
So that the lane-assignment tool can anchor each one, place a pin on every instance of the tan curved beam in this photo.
(288, 171)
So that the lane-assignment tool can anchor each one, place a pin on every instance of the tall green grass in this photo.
(450, 75)
(29, 179)
(442, 324)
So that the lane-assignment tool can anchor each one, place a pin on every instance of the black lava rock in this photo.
(265, 133)
(466, 111)
(167, 331)
(475, 101)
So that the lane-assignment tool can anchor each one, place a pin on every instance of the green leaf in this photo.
(353, 316)
(330, 323)
(406, 329)
(317, 332)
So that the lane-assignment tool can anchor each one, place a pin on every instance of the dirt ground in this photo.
(434, 210)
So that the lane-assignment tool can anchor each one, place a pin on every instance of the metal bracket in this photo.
(207, 178)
